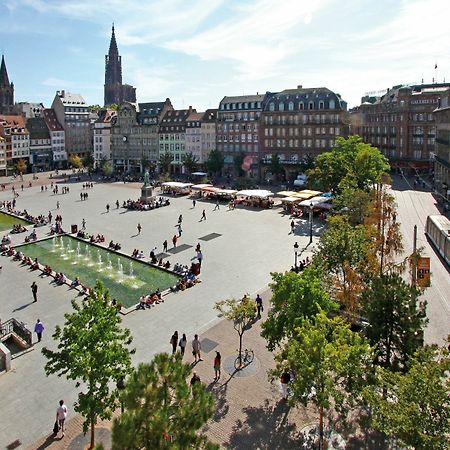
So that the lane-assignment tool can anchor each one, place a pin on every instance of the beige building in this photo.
(2, 156)
(57, 137)
(102, 136)
(17, 137)
(194, 135)
(208, 134)
(73, 114)
(442, 148)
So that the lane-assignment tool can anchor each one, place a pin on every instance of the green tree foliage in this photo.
(414, 407)
(344, 252)
(165, 160)
(354, 203)
(161, 412)
(331, 365)
(349, 159)
(238, 164)
(94, 108)
(113, 106)
(275, 165)
(75, 161)
(88, 161)
(92, 350)
(241, 312)
(107, 168)
(396, 319)
(294, 298)
(21, 166)
(215, 162)
(190, 162)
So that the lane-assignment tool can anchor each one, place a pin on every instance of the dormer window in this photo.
(271, 106)
(291, 106)
(281, 106)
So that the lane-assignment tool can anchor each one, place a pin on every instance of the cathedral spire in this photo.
(4, 80)
(113, 50)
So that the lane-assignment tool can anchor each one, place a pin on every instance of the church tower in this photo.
(113, 73)
(6, 90)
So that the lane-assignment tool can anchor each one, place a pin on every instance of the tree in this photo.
(396, 319)
(294, 297)
(21, 166)
(354, 203)
(107, 168)
(92, 350)
(238, 164)
(331, 364)
(241, 312)
(190, 162)
(165, 160)
(349, 159)
(88, 161)
(215, 161)
(414, 407)
(94, 108)
(160, 410)
(275, 165)
(75, 161)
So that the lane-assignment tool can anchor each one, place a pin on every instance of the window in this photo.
(281, 106)
(311, 105)
(321, 104)
(271, 106)
(332, 104)
(291, 106)
(301, 106)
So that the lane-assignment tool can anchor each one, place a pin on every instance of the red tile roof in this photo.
(51, 120)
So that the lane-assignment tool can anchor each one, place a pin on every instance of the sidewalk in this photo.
(249, 413)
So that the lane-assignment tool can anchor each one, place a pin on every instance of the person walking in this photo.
(165, 246)
(285, 380)
(259, 305)
(196, 348)
(57, 205)
(180, 230)
(174, 240)
(107, 208)
(194, 203)
(292, 227)
(180, 218)
(174, 342)
(34, 290)
(203, 216)
(182, 344)
(217, 364)
(139, 228)
(117, 204)
(38, 329)
(217, 205)
(61, 415)
(83, 224)
(195, 378)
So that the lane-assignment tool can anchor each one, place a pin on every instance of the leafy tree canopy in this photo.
(88, 161)
(161, 412)
(275, 165)
(215, 161)
(396, 319)
(349, 159)
(21, 166)
(165, 160)
(190, 162)
(75, 161)
(107, 168)
(414, 407)
(92, 350)
(294, 297)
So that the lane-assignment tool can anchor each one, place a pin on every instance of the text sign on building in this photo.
(423, 272)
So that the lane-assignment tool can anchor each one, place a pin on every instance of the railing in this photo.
(18, 328)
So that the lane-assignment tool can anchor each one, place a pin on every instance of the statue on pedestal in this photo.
(146, 178)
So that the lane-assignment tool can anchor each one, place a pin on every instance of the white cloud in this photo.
(57, 82)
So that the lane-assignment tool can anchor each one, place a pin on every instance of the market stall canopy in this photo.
(226, 192)
(315, 201)
(262, 193)
(309, 192)
(210, 189)
(176, 184)
(303, 195)
(291, 200)
(199, 174)
(201, 186)
(286, 193)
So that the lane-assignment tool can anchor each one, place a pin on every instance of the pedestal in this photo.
(147, 194)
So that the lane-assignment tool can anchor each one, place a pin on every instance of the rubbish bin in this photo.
(74, 228)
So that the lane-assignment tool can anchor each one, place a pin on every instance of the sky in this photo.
(195, 52)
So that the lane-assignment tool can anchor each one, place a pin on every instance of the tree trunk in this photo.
(321, 428)
(240, 349)
(92, 434)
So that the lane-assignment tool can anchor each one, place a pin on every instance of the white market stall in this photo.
(176, 188)
(255, 197)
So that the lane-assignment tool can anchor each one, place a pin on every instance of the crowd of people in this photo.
(143, 206)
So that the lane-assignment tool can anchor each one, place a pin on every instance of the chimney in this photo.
(63, 93)
(257, 93)
(299, 86)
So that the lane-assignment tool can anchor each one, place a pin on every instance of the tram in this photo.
(438, 232)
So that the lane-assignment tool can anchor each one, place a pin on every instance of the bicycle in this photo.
(244, 359)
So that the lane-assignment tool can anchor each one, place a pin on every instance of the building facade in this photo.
(41, 155)
(208, 125)
(17, 137)
(299, 123)
(102, 136)
(442, 148)
(237, 132)
(57, 139)
(401, 124)
(135, 138)
(115, 91)
(172, 136)
(73, 114)
(193, 136)
(6, 90)
(2, 156)
(29, 110)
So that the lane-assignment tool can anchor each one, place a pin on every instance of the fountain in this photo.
(99, 258)
(87, 252)
(131, 269)
(69, 247)
(119, 268)
(78, 250)
(109, 262)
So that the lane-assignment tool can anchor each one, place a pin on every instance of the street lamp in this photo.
(296, 255)
(310, 222)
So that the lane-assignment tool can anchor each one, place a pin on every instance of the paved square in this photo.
(210, 236)
(179, 249)
(252, 244)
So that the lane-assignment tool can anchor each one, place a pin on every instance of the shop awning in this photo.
(261, 193)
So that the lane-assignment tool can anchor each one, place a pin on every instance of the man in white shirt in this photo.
(196, 347)
(61, 414)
